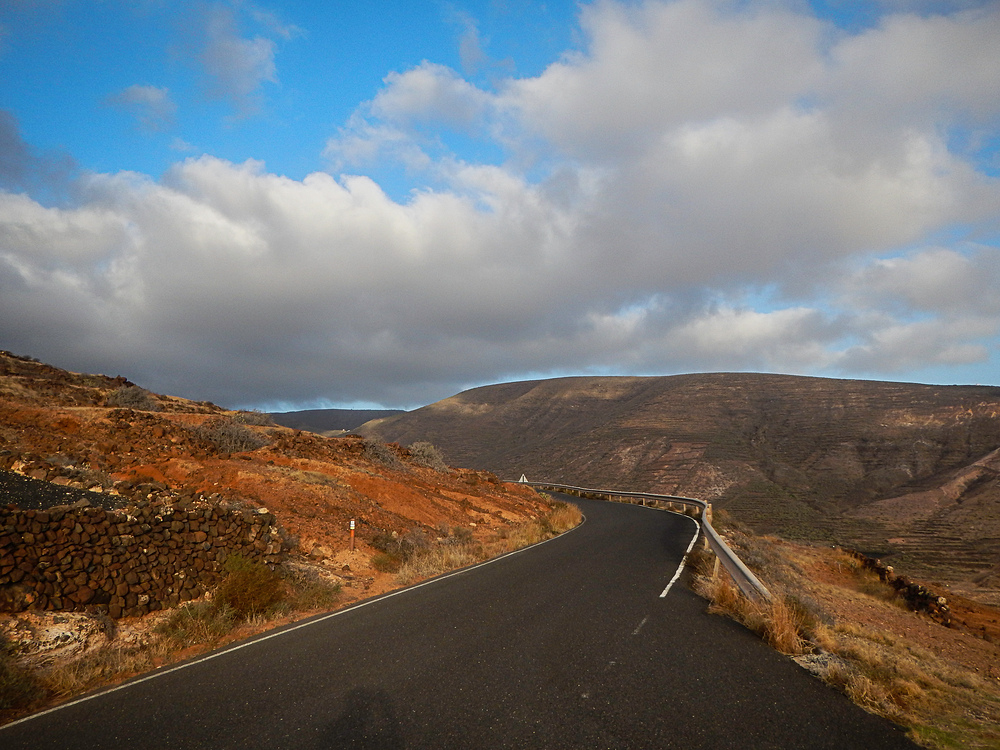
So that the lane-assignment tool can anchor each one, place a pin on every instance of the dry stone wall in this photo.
(124, 562)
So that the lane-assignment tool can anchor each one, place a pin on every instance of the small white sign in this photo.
(352, 524)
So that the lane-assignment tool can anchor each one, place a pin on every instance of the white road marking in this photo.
(636, 631)
(680, 568)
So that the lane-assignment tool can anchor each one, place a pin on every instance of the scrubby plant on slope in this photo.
(132, 397)
(229, 436)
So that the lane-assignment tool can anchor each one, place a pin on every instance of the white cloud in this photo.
(471, 46)
(430, 93)
(656, 66)
(934, 280)
(789, 340)
(922, 344)
(273, 23)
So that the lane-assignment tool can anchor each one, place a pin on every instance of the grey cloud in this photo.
(150, 105)
(23, 168)
(15, 155)
(237, 67)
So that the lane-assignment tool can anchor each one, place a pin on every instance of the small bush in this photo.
(250, 589)
(777, 621)
(378, 452)
(701, 561)
(289, 541)
(132, 397)
(461, 535)
(398, 548)
(197, 622)
(310, 591)
(229, 436)
(254, 417)
(425, 454)
(385, 562)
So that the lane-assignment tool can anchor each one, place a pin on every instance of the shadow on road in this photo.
(368, 721)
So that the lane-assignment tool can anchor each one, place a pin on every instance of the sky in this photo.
(302, 204)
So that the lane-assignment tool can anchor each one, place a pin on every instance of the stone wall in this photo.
(917, 596)
(124, 563)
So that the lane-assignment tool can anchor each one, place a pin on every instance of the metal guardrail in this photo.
(744, 578)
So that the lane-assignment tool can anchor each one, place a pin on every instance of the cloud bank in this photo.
(702, 186)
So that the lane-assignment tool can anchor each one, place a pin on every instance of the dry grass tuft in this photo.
(95, 668)
(777, 621)
(18, 687)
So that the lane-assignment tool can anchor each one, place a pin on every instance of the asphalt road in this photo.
(565, 645)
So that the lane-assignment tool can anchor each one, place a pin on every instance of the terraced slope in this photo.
(895, 468)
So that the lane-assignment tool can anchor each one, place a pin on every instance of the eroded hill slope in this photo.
(105, 435)
(910, 472)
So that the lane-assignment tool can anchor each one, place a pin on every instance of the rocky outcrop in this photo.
(124, 562)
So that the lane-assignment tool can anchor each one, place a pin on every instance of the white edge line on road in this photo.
(269, 636)
(680, 568)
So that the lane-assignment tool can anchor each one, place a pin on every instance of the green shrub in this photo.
(132, 397)
(250, 589)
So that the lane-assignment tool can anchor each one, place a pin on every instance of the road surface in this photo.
(565, 645)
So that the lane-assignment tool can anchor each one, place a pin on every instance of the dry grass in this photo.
(191, 628)
(777, 621)
(99, 667)
(442, 558)
(943, 704)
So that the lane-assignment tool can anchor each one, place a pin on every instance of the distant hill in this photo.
(330, 420)
(904, 470)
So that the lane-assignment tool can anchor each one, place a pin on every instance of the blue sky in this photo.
(300, 204)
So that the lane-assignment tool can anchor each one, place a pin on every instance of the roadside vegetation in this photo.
(459, 548)
(817, 593)
(250, 599)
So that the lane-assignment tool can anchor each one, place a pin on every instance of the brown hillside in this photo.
(66, 429)
(907, 471)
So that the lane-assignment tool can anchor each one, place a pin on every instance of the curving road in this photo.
(565, 645)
